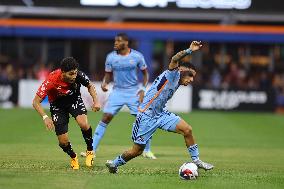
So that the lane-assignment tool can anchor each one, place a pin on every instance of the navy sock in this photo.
(68, 149)
(87, 135)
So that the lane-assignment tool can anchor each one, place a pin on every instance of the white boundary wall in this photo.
(181, 101)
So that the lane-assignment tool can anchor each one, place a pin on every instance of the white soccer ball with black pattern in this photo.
(188, 171)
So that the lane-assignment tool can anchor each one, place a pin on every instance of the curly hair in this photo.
(68, 64)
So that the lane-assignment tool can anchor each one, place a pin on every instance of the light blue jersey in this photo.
(152, 113)
(124, 68)
(162, 89)
(125, 79)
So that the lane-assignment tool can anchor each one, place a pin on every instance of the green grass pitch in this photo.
(247, 150)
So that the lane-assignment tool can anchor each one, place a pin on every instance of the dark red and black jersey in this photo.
(59, 91)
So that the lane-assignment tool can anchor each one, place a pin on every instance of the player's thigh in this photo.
(60, 118)
(168, 121)
(132, 102)
(143, 129)
(114, 103)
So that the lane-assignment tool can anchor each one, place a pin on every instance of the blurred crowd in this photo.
(210, 75)
(10, 71)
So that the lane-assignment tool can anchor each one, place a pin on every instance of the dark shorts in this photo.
(60, 113)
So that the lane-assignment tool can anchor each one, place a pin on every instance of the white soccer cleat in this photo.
(149, 155)
(111, 167)
(83, 154)
(203, 165)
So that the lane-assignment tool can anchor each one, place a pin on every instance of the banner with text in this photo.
(249, 100)
(8, 93)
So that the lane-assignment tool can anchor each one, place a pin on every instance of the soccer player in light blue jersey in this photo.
(153, 115)
(122, 63)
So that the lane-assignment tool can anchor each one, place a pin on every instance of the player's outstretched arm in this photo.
(37, 106)
(194, 46)
(96, 104)
(106, 81)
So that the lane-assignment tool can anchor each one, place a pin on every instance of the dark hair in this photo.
(68, 64)
(187, 65)
(124, 36)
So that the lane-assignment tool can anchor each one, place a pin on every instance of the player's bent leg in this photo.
(147, 153)
(186, 130)
(67, 148)
(122, 159)
(86, 130)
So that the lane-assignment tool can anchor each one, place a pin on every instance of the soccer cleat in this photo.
(111, 167)
(83, 154)
(149, 155)
(75, 163)
(203, 165)
(89, 158)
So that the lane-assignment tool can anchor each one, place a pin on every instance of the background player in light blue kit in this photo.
(122, 63)
(153, 115)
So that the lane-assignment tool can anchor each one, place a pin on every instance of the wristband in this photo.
(188, 51)
(44, 117)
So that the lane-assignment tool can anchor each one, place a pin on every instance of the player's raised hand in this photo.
(96, 106)
(141, 94)
(104, 87)
(195, 45)
(49, 124)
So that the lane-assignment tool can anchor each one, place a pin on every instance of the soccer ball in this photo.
(188, 171)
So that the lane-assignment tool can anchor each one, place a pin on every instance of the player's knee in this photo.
(138, 150)
(187, 131)
(84, 125)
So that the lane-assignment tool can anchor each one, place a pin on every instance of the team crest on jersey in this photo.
(131, 61)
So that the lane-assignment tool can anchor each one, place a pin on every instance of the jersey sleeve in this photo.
(173, 75)
(43, 89)
(142, 63)
(108, 65)
(83, 78)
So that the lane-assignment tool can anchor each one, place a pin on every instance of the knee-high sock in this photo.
(87, 135)
(98, 134)
(148, 146)
(193, 151)
(68, 150)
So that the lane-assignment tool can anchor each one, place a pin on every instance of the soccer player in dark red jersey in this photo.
(62, 87)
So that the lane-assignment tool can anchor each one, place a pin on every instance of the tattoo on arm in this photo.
(179, 55)
(176, 58)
